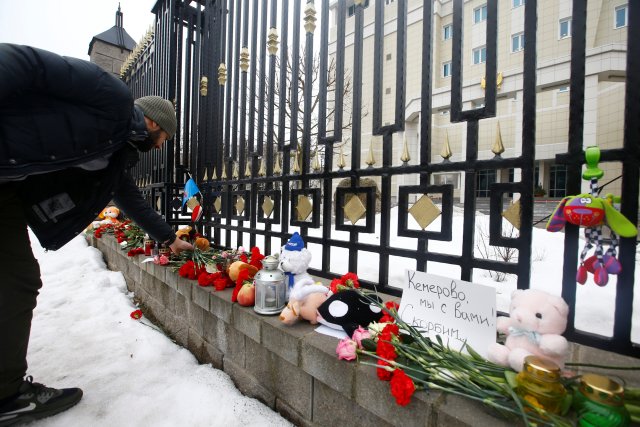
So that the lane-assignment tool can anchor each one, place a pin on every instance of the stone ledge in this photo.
(292, 369)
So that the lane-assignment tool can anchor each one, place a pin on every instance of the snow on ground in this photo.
(131, 374)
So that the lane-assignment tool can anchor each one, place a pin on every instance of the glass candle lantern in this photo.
(164, 250)
(270, 287)
(539, 384)
(599, 402)
(149, 244)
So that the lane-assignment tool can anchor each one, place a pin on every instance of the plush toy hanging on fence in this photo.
(593, 213)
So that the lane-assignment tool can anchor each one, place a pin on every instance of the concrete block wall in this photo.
(292, 369)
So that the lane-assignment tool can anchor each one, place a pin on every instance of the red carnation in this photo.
(391, 306)
(385, 349)
(334, 287)
(382, 373)
(187, 269)
(402, 388)
(205, 279)
(221, 283)
(350, 280)
(391, 328)
(136, 314)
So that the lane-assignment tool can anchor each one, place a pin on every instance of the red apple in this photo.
(247, 294)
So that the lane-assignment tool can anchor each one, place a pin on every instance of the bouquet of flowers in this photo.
(410, 362)
(348, 281)
(128, 235)
(211, 268)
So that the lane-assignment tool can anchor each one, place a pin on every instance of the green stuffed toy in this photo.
(593, 213)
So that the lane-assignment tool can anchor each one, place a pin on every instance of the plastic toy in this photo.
(594, 213)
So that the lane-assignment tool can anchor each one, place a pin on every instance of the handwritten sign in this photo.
(453, 309)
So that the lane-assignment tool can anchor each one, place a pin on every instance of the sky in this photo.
(67, 27)
(128, 369)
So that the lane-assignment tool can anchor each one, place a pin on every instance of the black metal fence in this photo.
(269, 154)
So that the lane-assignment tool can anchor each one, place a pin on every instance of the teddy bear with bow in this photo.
(534, 327)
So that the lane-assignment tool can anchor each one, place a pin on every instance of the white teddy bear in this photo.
(294, 261)
(534, 326)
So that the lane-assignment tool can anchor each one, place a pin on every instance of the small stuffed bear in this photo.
(534, 326)
(294, 261)
(304, 302)
(109, 215)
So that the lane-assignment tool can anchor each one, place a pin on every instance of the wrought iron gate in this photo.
(266, 170)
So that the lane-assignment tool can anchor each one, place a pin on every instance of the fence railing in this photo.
(273, 97)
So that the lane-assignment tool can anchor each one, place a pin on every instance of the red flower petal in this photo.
(402, 387)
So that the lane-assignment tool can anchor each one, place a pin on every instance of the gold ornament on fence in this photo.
(304, 208)
(371, 160)
(244, 59)
(222, 74)
(204, 82)
(277, 167)
(341, 162)
(446, 148)
(424, 211)
(272, 43)
(405, 158)
(316, 166)
(310, 18)
(498, 148)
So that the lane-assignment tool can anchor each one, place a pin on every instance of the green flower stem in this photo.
(433, 365)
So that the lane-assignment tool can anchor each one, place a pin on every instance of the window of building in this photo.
(565, 28)
(517, 42)
(563, 89)
(477, 104)
(621, 16)
(387, 91)
(352, 9)
(518, 3)
(447, 32)
(446, 179)
(484, 179)
(388, 2)
(480, 55)
(388, 57)
(446, 69)
(557, 181)
(480, 14)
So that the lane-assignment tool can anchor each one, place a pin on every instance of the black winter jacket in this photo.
(55, 114)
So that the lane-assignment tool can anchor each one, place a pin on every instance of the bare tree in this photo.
(331, 96)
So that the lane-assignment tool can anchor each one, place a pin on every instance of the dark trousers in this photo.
(19, 285)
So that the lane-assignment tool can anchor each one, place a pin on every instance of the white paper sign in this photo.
(453, 309)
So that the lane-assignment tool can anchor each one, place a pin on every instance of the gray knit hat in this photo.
(160, 111)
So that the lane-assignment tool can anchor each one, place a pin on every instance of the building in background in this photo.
(606, 45)
(110, 48)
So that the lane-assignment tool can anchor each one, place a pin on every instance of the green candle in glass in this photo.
(599, 402)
